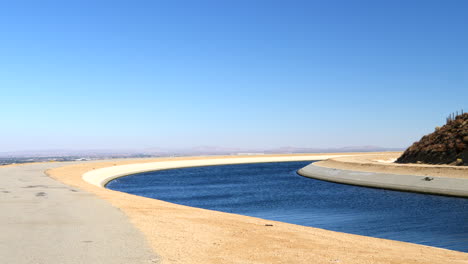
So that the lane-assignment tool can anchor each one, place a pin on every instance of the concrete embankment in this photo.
(451, 181)
(411, 183)
(102, 176)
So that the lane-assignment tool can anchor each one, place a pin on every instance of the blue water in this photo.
(275, 191)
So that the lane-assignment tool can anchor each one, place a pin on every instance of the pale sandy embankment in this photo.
(181, 234)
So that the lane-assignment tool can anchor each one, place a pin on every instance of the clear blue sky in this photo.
(137, 74)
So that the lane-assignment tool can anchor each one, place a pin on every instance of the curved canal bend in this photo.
(275, 191)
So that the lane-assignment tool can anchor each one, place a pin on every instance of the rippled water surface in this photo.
(275, 191)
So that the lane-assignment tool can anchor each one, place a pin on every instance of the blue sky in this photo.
(141, 74)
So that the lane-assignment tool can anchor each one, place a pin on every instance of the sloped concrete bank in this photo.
(101, 177)
(412, 183)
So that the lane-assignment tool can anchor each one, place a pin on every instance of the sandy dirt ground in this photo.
(383, 163)
(181, 234)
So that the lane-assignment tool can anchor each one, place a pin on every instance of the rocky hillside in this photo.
(446, 145)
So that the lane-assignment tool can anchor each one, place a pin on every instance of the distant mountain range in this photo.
(199, 150)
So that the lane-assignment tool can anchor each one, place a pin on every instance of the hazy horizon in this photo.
(192, 148)
(237, 74)
(193, 151)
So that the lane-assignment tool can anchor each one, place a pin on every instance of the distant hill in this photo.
(446, 145)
